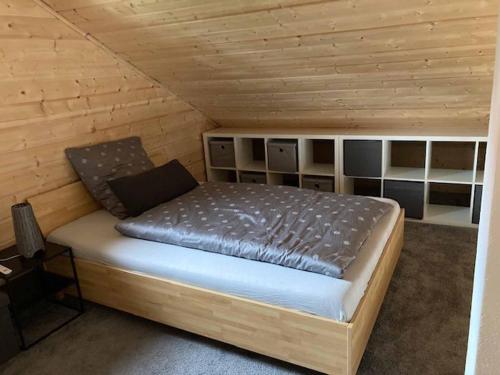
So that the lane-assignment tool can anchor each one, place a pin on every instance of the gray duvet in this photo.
(297, 228)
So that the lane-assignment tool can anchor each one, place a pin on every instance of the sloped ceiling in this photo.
(401, 63)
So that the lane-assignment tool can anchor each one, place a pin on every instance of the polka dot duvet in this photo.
(297, 228)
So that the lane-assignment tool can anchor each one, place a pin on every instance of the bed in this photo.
(308, 319)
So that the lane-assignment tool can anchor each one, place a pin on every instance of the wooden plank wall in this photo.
(373, 63)
(57, 89)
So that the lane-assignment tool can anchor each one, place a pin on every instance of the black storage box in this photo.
(9, 342)
(476, 212)
(450, 194)
(318, 183)
(253, 177)
(222, 153)
(363, 158)
(409, 195)
(282, 155)
(367, 186)
(290, 180)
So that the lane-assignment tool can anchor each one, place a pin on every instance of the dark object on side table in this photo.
(39, 302)
(9, 344)
(29, 238)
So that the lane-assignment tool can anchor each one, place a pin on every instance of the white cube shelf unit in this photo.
(316, 156)
(435, 177)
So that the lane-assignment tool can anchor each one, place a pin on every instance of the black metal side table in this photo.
(41, 301)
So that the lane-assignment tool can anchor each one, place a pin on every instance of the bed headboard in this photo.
(61, 206)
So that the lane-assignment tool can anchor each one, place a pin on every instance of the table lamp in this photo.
(29, 238)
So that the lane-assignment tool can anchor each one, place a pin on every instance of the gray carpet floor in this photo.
(422, 327)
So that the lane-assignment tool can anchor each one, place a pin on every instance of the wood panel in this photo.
(61, 206)
(301, 63)
(365, 317)
(285, 334)
(59, 89)
(289, 335)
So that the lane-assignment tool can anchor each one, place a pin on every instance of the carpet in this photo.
(422, 327)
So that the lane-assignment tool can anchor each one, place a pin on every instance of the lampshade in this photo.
(29, 239)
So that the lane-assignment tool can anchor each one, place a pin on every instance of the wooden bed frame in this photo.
(307, 340)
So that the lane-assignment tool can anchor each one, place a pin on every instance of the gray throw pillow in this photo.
(97, 164)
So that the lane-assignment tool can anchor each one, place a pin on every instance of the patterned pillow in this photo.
(106, 161)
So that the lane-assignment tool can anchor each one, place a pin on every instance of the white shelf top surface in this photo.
(412, 133)
(403, 173)
(319, 169)
(223, 168)
(281, 172)
(363, 177)
(254, 165)
(452, 215)
(451, 175)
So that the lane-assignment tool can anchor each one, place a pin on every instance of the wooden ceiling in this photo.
(383, 63)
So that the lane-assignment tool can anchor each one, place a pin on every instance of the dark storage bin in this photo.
(284, 179)
(282, 155)
(476, 212)
(409, 195)
(223, 175)
(222, 153)
(318, 183)
(367, 186)
(258, 149)
(450, 194)
(291, 180)
(10, 343)
(363, 158)
(323, 151)
(253, 177)
(481, 156)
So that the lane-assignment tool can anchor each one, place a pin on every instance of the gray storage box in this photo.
(10, 342)
(282, 155)
(363, 158)
(476, 212)
(222, 153)
(253, 177)
(318, 183)
(409, 195)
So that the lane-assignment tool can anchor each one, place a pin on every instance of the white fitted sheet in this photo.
(94, 238)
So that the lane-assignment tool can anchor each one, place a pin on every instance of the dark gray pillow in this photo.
(144, 191)
(99, 163)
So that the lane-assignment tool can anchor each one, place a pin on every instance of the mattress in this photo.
(94, 238)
